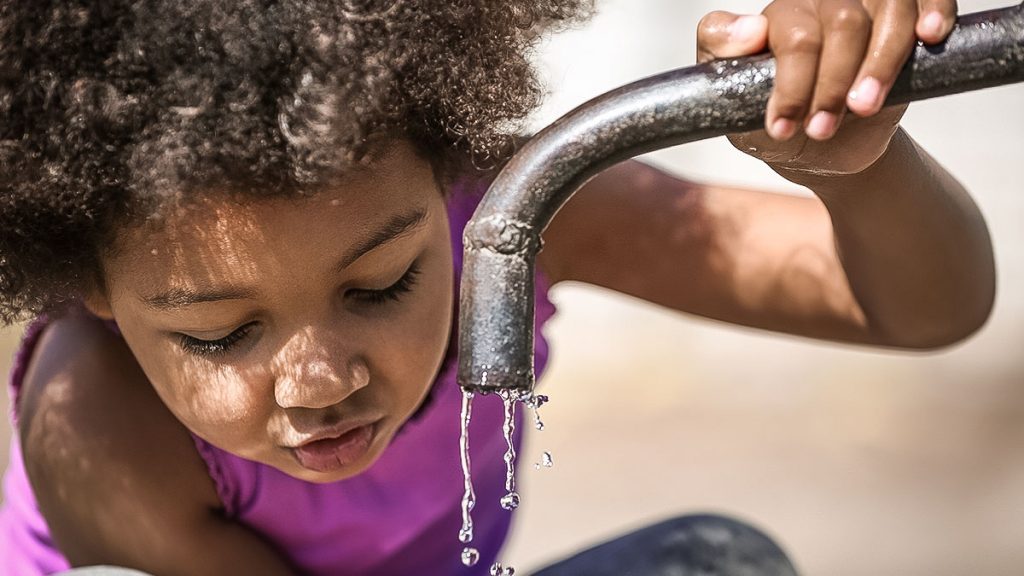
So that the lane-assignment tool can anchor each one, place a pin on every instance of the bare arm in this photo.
(915, 251)
(117, 478)
(914, 246)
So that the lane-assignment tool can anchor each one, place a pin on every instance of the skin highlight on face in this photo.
(268, 325)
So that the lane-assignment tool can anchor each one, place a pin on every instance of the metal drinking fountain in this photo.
(496, 316)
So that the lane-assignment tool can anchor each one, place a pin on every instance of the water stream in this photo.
(470, 555)
(510, 501)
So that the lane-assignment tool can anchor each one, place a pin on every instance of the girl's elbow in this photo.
(944, 329)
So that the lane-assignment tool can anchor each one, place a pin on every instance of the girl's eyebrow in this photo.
(399, 225)
(396, 227)
(181, 297)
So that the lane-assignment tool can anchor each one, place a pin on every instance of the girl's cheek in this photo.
(209, 399)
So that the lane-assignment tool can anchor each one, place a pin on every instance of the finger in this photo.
(892, 39)
(847, 27)
(795, 38)
(935, 20)
(727, 35)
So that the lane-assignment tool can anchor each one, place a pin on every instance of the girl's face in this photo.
(297, 333)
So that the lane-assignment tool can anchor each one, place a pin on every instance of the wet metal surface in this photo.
(503, 239)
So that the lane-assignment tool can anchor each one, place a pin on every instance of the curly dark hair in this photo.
(110, 107)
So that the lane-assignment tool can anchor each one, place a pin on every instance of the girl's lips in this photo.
(332, 454)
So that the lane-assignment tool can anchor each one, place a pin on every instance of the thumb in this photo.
(727, 35)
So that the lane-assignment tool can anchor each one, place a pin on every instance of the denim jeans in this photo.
(700, 545)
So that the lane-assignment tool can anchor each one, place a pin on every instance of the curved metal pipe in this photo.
(503, 238)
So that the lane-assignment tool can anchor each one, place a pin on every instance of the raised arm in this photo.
(921, 276)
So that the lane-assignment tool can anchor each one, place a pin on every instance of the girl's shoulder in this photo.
(111, 468)
(83, 389)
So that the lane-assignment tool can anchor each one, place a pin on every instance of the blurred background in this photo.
(858, 461)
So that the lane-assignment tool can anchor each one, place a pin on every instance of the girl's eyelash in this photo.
(392, 293)
(221, 346)
(217, 347)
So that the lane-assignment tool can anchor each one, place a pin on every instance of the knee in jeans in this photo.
(717, 542)
(710, 528)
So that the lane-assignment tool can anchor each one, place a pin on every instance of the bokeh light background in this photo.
(859, 461)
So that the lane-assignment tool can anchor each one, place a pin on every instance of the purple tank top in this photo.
(401, 516)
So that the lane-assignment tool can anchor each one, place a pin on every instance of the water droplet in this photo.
(510, 501)
(545, 461)
(470, 556)
(535, 402)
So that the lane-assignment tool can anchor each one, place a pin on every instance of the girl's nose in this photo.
(312, 378)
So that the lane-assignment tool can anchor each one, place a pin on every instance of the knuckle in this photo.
(851, 19)
(801, 39)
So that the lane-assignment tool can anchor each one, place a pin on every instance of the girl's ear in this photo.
(97, 303)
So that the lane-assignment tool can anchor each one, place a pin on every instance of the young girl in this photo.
(237, 226)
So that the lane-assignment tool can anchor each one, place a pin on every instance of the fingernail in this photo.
(744, 28)
(822, 125)
(932, 24)
(782, 129)
(866, 93)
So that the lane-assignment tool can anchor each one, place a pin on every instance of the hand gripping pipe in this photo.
(503, 238)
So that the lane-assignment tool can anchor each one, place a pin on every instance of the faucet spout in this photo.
(503, 239)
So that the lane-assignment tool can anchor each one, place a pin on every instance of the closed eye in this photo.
(392, 293)
(220, 346)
